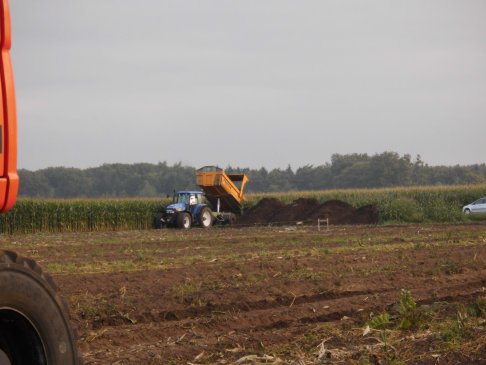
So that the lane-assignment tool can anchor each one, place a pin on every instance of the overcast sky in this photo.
(248, 83)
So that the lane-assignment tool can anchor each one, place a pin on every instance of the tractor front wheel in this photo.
(184, 220)
(158, 220)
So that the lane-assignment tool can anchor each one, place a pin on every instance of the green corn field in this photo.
(48, 215)
(440, 204)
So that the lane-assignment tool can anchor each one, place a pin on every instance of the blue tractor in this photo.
(188, 209)
(223, 191)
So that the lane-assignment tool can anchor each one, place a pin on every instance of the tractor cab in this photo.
(188, 197)
(185, 201)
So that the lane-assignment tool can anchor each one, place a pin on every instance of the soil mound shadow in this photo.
(271, 210)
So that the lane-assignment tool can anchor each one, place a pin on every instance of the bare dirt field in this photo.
(281, 295)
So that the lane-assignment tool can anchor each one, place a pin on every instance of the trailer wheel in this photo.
(205, 218)
(184, 220)
(34, 319)
(230, 218)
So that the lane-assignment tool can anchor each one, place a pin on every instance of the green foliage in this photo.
(35, 215)
(408, 315)
(404, 210)
(478, 308)
(457, 329)
(395, 205)
(386, 169)
(454, 330)
(380, 321)
(407, 310)
(476, 217)
(109, 180)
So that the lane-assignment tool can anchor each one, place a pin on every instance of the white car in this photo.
(479, 206)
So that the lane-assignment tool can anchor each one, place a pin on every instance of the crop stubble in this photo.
(214, 296)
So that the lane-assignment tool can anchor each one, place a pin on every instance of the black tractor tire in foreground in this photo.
(184, 220)
(34, 319)
(205, 218)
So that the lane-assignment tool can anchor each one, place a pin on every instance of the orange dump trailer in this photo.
(224, 191)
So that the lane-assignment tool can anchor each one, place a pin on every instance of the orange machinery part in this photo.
(216, 184)
(9, 180)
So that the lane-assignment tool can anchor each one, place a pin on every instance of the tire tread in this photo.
(10, 258)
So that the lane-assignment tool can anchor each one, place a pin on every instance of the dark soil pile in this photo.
(265, 211)
(271, 210)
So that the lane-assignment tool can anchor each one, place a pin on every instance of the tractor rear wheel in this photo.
(205, 218)
(34, 319)
(184, 220)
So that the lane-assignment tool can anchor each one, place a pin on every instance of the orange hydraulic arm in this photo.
(9, 180)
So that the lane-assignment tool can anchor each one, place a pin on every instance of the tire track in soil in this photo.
(297, 307)
(197, 333)
(280, 301)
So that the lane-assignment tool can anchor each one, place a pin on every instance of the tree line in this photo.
(387, 169)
